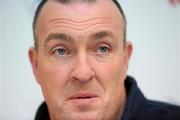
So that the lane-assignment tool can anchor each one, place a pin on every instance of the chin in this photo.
(78, 115)
(85, 116)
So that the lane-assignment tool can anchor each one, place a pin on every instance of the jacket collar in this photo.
(135, 99)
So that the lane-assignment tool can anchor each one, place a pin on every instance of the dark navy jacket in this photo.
(137, 107)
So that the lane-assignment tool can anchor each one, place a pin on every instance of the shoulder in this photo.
(138, 107)
(159, 110)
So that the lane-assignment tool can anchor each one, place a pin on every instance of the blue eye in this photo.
(103, 49)
(60, 51)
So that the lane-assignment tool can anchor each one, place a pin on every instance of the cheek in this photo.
(110, 74)
(53, 79)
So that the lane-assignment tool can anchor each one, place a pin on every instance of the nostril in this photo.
(83, 75)
(82, 71)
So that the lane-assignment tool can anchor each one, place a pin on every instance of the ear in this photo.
(128, 52)
(34, 61)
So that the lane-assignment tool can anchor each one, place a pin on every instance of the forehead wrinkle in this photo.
(59, 23)
(83, 27)
(80, 25)
(64, 20)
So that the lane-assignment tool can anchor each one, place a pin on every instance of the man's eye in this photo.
(60, 51)
(103, 49)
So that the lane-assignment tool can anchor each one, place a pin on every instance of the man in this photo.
(80, 60)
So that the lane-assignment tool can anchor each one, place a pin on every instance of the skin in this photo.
(81, 52)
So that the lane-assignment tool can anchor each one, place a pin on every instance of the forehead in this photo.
(80, 12)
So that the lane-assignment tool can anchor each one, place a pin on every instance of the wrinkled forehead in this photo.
(81, 11)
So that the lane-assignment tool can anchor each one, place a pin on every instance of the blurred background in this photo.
(153, 27)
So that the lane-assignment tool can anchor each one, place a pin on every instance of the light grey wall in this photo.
(21, 94)
(153, 28)
(0, 59)
(179, 46)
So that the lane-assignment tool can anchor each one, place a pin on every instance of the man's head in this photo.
(81, 61)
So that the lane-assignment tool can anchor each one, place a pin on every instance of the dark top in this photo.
(137, 106)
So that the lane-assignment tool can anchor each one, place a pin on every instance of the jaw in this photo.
(79, 115)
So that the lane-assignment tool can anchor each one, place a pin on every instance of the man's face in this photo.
(81, 62)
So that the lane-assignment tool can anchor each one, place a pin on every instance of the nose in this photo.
(82, 70)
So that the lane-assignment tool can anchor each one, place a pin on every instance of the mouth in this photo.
(83, 98)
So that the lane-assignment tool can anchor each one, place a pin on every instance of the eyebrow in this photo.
(68, 38)
(58, 36)
(100, 35)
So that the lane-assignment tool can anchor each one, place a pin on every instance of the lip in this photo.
(83, 99)
(83, 96)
